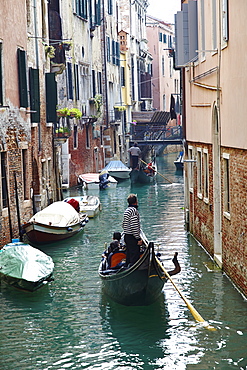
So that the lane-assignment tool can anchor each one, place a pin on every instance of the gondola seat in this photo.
(115, 259)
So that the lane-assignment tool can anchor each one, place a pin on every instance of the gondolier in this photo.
(132, 229)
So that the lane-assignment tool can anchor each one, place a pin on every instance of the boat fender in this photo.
(69, 229)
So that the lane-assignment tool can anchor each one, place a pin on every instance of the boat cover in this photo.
(116, 166)
(94, 177)
(57, 214)
(22, 261)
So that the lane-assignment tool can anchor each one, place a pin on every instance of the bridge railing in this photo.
(155, 132)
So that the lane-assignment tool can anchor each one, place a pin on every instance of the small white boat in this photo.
(179, 162)
(25, 267)
(118, 170)
(88, 204)
(58, 221)
(95, 181)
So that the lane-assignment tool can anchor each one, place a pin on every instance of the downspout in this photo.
(37, 59)
(105, 64)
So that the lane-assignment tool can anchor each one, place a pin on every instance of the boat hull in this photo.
(39, 234)
(23, 284)
(120, 175)
(139, 285)
(139, 176)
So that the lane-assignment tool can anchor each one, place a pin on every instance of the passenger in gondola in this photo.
(132, 228)
(149, 170)
(111, 255)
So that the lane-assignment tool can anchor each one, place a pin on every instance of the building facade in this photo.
(216, 150)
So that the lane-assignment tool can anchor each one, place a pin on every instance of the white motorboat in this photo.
(25, 267)
(88, 204)
(58, 221)
(96, 181)
(118, 170)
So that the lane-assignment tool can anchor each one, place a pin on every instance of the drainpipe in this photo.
(105, 64)
(37, 58)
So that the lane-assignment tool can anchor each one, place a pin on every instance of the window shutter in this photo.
(22, 78)
(117, 54)
(34, 92)
(108, 49)
(51, 97)
(98, 13)
(69, 81)
(113, 52)
(76, 74)
(93, 82)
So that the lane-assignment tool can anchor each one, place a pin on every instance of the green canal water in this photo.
(70, 324)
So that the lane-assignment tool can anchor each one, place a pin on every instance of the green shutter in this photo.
(51, 97)
(22, 78)
(34, 94)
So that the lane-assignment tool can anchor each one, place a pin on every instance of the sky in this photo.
(164, 9)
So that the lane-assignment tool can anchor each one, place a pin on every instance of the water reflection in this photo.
(138, 332)
(71, 325)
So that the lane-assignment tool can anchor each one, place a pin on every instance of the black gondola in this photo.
(138, 285)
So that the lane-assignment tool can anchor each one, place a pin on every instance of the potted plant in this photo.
(74, 113)
(63, 112)
(66, 45)
(50, 51)
(62, 131)
(120, 108)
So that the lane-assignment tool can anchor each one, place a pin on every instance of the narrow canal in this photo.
(70, 324)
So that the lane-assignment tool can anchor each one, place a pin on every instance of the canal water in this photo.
(71, 324)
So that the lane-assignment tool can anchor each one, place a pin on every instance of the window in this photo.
(22, 78)
(93, 83)
(164, 38)
(214, 25)
(160, 36)
(25, 173)
(205, 175)
(199, 173)
(163, 65)
(110, 7)
(108, 43)
(190, 168)
(98, 12)
(225, 20)
(122, 76)
(226, 184)
(84, 82)
(87, 137)
(100, 82)
(43, 163)
(75, 136)
(4, 180)
(81, 8)
(202, 30)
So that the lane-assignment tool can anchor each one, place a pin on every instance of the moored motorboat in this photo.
(25, 267)
(118, 170)
(88, 204)
(54, 223)
(95, 181)
(138, 285)
(179, 162)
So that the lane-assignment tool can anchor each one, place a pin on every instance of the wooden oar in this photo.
(193, 311)
(157, 172)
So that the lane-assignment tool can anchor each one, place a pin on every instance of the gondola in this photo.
(143, 174)
(138, 285)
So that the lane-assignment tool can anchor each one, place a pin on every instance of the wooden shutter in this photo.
(51, 97)
(34, 94)
(22, 78)
(1, 77)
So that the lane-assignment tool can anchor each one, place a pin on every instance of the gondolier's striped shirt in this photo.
(131, 222)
